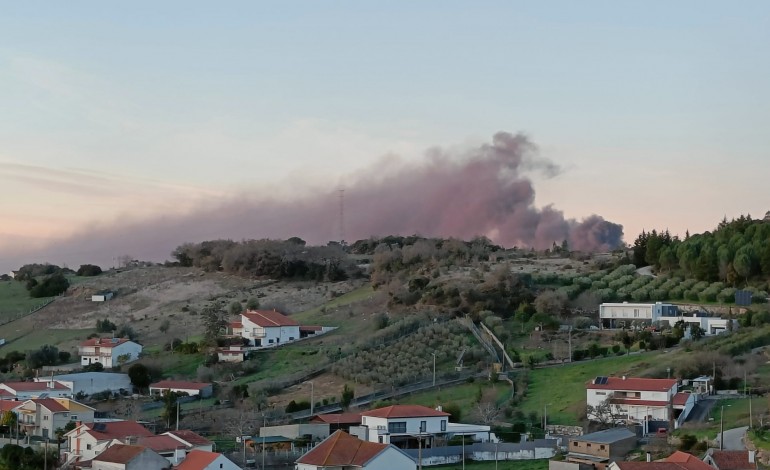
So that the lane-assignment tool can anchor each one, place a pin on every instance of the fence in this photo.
(537, 449)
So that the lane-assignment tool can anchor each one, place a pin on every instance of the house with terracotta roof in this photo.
(166, 446)
(191, 439)
(638, 400)
(43, 416)
(402, 425)
(29, 390)
(677, 461)
(109, 352)
(731, 459)
(201, 389)
(338, 421)
(202, 460)
(129, 457)
(267, 328)
(87, 440)
(341, 451)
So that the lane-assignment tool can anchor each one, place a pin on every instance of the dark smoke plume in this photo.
(483, 192)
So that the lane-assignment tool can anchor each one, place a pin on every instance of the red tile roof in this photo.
(338, 418)
(236, 324)
(8, 405)
(35, 386)
(310, 328)
(732, 459)
(160, 443)
(681, 398)
(676, 461)
(190, 437)
(180, 384)
(119, 453)
(268, 318)
(116, 430)
(50, 404)
(197, 460)
(342, 449)
(104, 342)
(404, 411)
(633, 383)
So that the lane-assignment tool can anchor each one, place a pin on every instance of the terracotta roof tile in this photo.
(342, 449)
(404, 411)
(732, 459)
(104, 342)
(197, 460)
(160, 443)
(634, 383)
(190, 437)
(35, 386)
(119, 453)
(268, 318)
(116, 430)
(681, 398)
(338, 418)
(676, 461)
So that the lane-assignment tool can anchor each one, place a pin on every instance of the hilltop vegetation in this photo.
(736, 253)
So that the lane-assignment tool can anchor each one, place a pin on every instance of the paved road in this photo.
(701, 410)
(734, 438)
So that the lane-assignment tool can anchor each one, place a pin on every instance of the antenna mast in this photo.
(341, 192)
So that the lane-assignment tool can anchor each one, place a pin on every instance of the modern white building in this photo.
(626, 315)
(43, 416)
(110, 352)
(639, 315)
(638, 400)
(88, 440)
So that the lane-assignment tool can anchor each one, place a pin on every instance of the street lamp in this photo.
(312, 396)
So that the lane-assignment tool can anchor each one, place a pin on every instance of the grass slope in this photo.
(562, 388)
(540, 464)
(15, 300)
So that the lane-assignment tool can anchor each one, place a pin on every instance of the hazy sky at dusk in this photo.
(657, 112)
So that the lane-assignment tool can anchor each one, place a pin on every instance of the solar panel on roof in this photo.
(99, 427)
(601, 380)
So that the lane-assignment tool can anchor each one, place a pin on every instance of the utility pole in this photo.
(434, 368)
(722, 429)
(312, 397)
(569, 341)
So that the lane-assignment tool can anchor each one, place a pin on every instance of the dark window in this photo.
(423, 426)
(588, 444)
(601, 447)
(399, 426)
(443, 425)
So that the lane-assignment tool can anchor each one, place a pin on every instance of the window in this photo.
(45, 418)
(423, 426)
(221, 465)
(601, 393)
(399, 426)
(443, 425)
(381, 440)
(88, 446)
(291, 338)
(601, 447)
(588, 444)
(636, 313)
(270, 341)
(574, 444)
(73, 417)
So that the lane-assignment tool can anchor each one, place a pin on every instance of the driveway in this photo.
(734, 438)
(700, 411)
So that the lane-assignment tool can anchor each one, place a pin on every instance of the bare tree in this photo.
(605, 413)
(487, 412)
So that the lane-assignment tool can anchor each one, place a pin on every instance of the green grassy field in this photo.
(275, 363)
(540, 464)
(736, 414)
(317, 316)
(562, 388)
(464, 395)
(15, 300)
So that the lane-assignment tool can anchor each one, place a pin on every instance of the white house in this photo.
(128, 457)
(110, 352)
(201, 389)
(28, 390)
(89, 383)
(191, 440)
(637, 399)
(402, 424)
(341, 451)
(87, 440)
(202, 460)
(43, 416)
(266, 328)
(626, 315)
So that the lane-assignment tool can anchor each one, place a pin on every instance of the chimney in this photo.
(649, 457)
(624, 377)
(752, 455)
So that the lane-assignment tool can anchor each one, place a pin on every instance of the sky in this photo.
(118, 118)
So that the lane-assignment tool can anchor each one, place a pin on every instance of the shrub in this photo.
(88, 270)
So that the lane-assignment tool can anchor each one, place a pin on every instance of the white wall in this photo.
(433, 426)
(391, 459)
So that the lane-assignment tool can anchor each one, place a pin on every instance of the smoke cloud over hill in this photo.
(484, 191)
